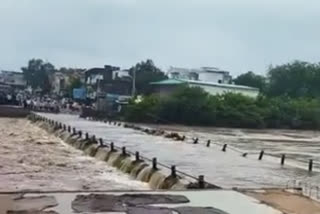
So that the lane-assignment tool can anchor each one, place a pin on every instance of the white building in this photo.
(166, 87)
(12, 78)
(218, 88)
(94, 79)
(59, 82)
(121, 74)
(208, 74)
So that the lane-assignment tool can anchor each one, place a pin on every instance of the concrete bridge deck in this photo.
(13, 111)
(187, 202)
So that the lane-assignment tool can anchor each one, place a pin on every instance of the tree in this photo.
(193, 106)
(145, 73)
(37, 74)
(75, 82)
(289, 99)
(252, 80)
(187, 105)
(296, 79)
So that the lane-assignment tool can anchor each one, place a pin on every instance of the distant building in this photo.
(208, 74)
(109, 79)
(121, 74)
(59, 82)
(13, 79)
(166, 87)
(94, 75)
(5, 89)
(61, 79)
(108, 85)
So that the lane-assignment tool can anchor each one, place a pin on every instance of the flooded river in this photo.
(227, 169)
(32, 160)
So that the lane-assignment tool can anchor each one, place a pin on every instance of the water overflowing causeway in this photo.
(227, 169)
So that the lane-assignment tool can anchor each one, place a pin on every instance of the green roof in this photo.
(168, 82)
(201, 83)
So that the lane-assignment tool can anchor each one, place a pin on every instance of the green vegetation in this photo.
(193, 106)
(252, 80)
(146, 72)
(75, 82)
(295, 80)
(289, 99)
(37, 74)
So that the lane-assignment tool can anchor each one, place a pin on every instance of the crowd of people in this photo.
(52, 105)
(39, 104)
(8, 99)
(45, 103)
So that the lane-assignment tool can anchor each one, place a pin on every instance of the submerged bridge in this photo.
(225, 169)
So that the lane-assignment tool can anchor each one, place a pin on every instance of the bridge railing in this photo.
(199, 180)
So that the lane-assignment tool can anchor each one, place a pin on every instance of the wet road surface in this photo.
(203, 201)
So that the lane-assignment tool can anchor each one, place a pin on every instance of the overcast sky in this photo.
(235, 35)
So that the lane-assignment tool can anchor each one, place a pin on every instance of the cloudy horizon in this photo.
(233, 35)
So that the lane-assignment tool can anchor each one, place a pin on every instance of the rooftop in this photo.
(197, 70)
(221, 85)
(178, 81)
(11, 72)
(168, 82)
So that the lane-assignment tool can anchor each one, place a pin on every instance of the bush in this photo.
(142, 112)
(193, 106)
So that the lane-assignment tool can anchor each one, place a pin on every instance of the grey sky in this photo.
(236, 35)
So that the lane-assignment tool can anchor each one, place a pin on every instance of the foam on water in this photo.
(137, 169)
(145, 174)
(110, 175)
(127, 165)
(157, 180)
(36, 160)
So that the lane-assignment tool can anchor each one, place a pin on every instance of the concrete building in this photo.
(60, 80)
(121, 74)
(207, 74)
(166, 87)
(94, 75)
(109, 79)
(109, 86)
(4, 89)
(13, 79)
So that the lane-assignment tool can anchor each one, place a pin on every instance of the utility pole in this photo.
(134, 82)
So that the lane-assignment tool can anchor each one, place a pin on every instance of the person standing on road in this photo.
(9, 98)
(25, 104)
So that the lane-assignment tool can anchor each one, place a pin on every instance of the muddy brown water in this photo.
(33, 160)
